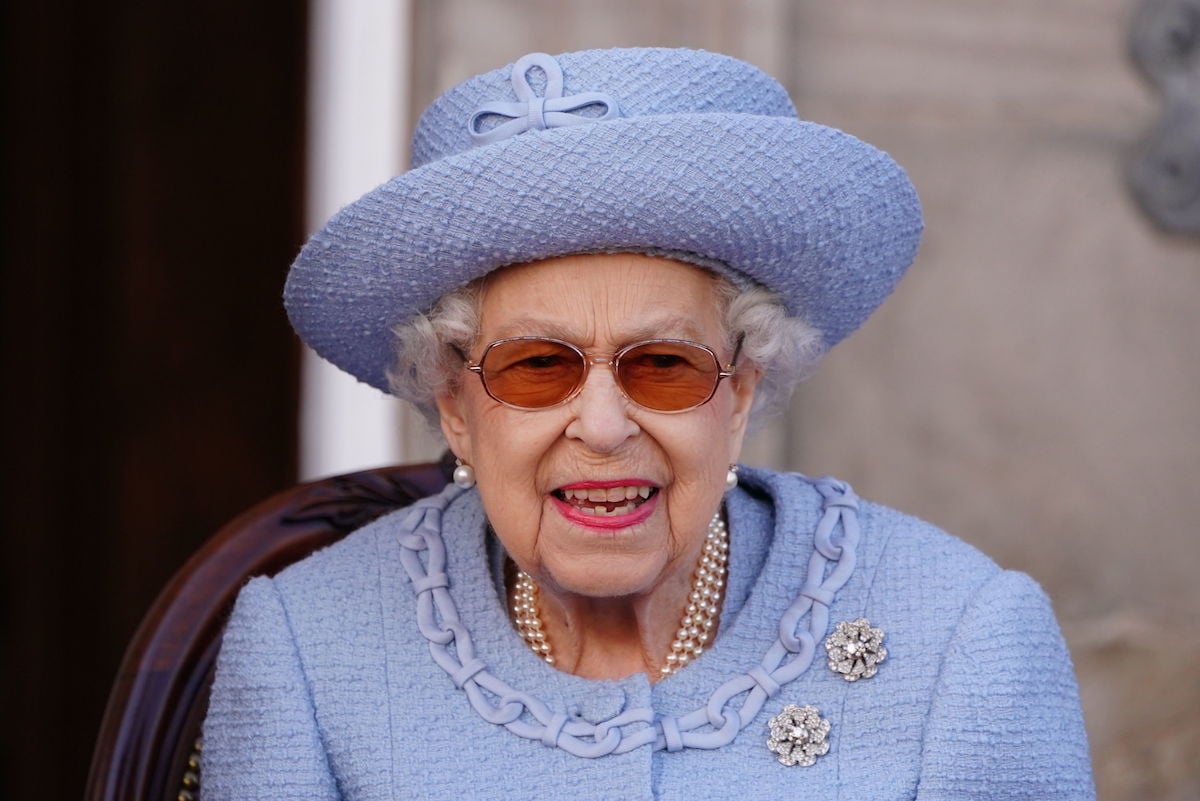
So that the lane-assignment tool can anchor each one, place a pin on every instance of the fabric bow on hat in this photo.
(538, 113)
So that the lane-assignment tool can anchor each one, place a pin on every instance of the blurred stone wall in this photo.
(1033, 385)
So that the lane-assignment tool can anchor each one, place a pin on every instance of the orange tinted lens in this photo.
(668, 376)
(531, 373)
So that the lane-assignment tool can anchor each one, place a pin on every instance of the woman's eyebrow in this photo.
(531, 326)
(665, 328)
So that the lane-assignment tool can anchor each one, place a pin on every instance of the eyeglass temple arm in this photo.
(731, 368)
(474, 367)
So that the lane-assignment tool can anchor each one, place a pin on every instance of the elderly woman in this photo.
(603, 267)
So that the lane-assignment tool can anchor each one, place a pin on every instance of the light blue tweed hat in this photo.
(680, 152)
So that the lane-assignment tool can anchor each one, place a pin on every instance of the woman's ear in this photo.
(744, 383)
(454, 425)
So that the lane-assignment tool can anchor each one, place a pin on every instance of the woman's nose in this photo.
(600, 412)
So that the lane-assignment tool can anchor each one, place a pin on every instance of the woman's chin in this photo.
(601, 578)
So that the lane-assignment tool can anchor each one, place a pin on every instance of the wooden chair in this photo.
(148, 747)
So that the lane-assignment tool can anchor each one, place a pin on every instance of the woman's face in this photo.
(532, 466)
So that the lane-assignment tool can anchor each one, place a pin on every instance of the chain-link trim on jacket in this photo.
(729, 708)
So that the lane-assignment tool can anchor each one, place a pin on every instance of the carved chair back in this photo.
(148, 747)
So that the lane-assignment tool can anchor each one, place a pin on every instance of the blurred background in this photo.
(1032, 386)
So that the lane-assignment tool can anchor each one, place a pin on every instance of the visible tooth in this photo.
(597, 495)
(631, 493)
(644, 492)
(587, 510)
(615, 494)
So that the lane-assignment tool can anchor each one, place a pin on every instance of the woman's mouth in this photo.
(605, 501)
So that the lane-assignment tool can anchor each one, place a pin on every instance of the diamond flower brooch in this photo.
(855, 649)
(798, 735)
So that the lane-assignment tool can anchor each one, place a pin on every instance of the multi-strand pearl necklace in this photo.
(696, 626)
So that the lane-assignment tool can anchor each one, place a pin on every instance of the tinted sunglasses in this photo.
(664, 375)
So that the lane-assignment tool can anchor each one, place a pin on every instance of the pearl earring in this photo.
(464, 474)
(731, 479)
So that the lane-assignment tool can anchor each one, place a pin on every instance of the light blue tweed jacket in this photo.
(327, 687)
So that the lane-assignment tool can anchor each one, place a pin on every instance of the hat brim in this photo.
(824, 219)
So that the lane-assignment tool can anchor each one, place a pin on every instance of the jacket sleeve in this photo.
(1005, 720)
(261, 738)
